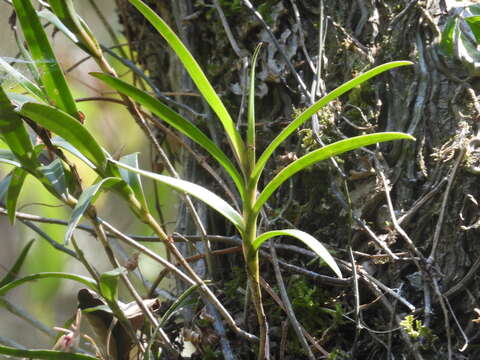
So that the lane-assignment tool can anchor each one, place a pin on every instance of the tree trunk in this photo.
(431, 181)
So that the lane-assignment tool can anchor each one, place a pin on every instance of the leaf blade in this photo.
(197, 76)
(326, 152)
(43, 354)
(304, 237)
(308, 113)
(15, 269)
(199, 192)
(16, 183)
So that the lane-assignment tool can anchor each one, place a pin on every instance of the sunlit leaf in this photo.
(43, 354)
(51, 74)
(199, 192)
(447, 41)
(61, 143)
(177, 121)
(90, 283)
(474, 23)
(197, 76)
(304, 237)
(326, 152)
(52, 18)
(109, 283)
(68, 128)
(16, 184)
(308, 113)
(15, 269)
(7, 157)
(87, 198)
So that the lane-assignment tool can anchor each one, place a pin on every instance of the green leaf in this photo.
(308, 113)
(87, 198)
(251, 144)
(68, 128)
(109, 283)
(447, 41)
(474, 23)
(133, 179)
(15, 269)
(4, 184)
(61, 143)
(197, 76)
(90, 283)
(199, 192)
(15, 134)
(178, 122)
(304, 237)
(16, 184)
(43, 354)
(24, 82)
(468, 53)
(51, 74)
(326, 152)
(55, 174)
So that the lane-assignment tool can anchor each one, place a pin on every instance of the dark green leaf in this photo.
(87, 198)
(178, 122)
(15, 269)
(51, 74)
(55, 174)
(447, 41)
(69, 129)
(16, 184)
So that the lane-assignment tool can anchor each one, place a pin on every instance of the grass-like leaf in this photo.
(88, 197)
(68, 128)
(304, 237)
(90, 283)
(16, 184)
(65, 145)
(326, 152)
(14, 133)
(308, 113)
(133, 179)
(43, 354)
(178, 122)
(197, 76)
(199, 192)
(7, 157)
(51, 74)
(55, 174)
(52, 18)
(251, 111)
(23, 81)
(15, 269)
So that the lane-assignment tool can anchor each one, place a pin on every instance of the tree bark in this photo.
(432, 186)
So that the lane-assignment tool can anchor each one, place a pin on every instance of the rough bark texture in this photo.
(434, 100)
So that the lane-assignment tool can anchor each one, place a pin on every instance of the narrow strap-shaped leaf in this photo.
(90, 283)
(307, 114)
(16, 184)
(251, 111)
(304, 237)
(197, 76)
(7, 157)
(68, 128)
(87, 198)
(199, 192)
(4, 184)
(178, 122)
(14, 133)
(133, 179)
(326, 152)
(52, 18)
(15, 269)
(55, 174)
(62, 143)
(43, 354)
(51, 74)
(24, 82)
